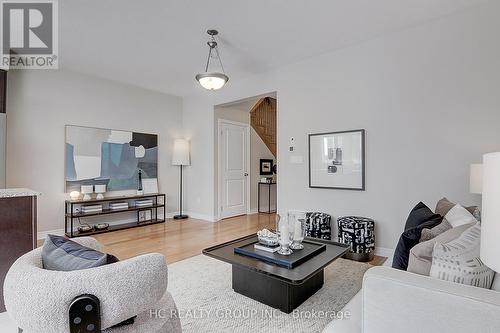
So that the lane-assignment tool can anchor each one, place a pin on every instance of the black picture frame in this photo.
(362, 132)
(263, 162)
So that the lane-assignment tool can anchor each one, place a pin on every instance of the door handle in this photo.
(246, 174)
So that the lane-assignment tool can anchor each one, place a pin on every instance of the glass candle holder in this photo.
(285, 238)
(297, 220)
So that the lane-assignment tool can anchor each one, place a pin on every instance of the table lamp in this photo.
(490, 224)
(181, 158)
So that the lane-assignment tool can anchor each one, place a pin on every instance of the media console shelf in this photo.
(74, 215)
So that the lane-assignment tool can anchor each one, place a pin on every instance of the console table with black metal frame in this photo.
(71, 214)
(269, 186)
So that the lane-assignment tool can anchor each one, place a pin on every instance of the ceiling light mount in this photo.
(212, 80)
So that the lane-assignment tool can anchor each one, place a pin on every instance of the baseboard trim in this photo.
(253, 211)
(41, 235)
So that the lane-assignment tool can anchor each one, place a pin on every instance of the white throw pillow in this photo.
(458, 215)
(458, 260)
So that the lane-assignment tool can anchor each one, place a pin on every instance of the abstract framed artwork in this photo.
(337, 160)
(111, 157)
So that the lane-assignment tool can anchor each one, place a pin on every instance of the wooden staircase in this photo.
(263, 121)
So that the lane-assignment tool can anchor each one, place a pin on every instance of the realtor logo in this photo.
(29, 34)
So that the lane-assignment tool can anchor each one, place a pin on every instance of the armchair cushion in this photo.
(62, 254)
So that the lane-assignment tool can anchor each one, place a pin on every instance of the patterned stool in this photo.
(359, 233)
(318, 225)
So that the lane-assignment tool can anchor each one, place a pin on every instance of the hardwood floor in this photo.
(182, 239)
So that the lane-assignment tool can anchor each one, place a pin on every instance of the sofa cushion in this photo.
(420, 259)
(420, 217)
(428, 234)
(458, 215)
(458, 260)
(62, 254)
(444, 205)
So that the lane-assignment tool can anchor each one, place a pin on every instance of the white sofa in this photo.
(397, 301)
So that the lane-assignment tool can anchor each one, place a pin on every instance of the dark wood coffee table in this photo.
(276, 286)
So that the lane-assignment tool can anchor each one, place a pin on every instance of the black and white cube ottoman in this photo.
(319, 225)
(359, 233)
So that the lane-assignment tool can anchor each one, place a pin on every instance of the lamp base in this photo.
(180, 217)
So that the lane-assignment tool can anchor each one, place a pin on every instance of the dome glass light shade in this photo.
(212, 81)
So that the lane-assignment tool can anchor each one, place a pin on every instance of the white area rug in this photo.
(201, 287)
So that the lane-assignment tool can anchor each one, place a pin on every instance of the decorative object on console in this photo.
(74, 195)
(359, 234)
(139, 183)
(91, 209)
(476, 178)
(118, 205)
(181, 158)
(87, 190)
(150, 186)
(144, 215)
(212, 80)
(265, 167)
(490, 227)
(144, 203)
(100, 190)
(110, 157)
(419, 218)
(337, 160)
(101, 226)
(318, 225)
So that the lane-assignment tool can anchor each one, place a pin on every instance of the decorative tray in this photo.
(310, 250)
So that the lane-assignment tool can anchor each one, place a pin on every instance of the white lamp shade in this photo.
(181, 152)
(490, 216)
(87, 189)
(476, 178)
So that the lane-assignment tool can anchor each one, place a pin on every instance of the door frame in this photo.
(220, 122)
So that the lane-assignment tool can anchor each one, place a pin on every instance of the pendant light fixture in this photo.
(212, 80)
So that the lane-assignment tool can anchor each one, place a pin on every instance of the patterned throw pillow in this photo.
(428, 234)
(458, 260)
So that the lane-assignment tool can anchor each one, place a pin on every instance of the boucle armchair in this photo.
(39, 300)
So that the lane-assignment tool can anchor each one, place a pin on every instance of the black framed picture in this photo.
(337, 160)
(266, 167)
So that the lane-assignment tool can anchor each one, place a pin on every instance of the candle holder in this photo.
(297, 221)
(285, 237)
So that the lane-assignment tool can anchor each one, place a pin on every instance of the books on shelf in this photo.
(261, 247)
(92, 209)
(144, 203)
(118, 205)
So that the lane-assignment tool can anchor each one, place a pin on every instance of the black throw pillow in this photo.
(420, 217)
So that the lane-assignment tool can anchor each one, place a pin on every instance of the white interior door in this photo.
(234, 169)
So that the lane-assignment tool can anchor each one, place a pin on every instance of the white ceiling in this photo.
(161, 44)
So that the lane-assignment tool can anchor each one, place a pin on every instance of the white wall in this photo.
(428, 97)
(3, 136)
(258, 150)
(41, 103)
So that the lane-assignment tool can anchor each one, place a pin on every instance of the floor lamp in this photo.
(181, 157)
